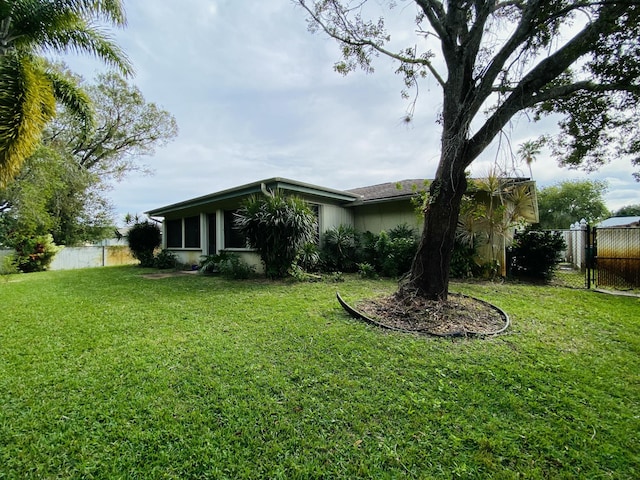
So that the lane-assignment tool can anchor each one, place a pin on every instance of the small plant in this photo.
(8, 266)
(366, 270)
(340, 250)
(166, 260)
(232, 266)
(308, 258)
(462, 260)
(335, 277)
(144, 238)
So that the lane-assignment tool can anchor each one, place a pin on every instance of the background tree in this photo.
(492, 60)
(127, 127)
(628, 211)
(278, 226)
(29, 87)
(62, 188)
(570, 201)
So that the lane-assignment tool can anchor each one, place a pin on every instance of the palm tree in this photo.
(30, 86)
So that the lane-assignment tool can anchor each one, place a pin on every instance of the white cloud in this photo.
(255, 96)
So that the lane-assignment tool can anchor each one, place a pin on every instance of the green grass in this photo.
(106, 374)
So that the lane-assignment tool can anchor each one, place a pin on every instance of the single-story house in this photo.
(204, 225)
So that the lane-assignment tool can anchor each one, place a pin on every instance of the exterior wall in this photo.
(333, 216)
(70, 258)
(385, 216)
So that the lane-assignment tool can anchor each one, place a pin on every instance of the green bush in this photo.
(390, 254)
(165, 260)
(462, 261)
(232, 266)
(395, 250)
(340, 249)
(34, 253)
(366, 270)
(144, 238)
(535, 254)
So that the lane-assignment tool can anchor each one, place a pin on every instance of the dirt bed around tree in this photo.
(459, 315)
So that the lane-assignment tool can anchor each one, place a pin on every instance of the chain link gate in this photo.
(600, 258)
(616, 262)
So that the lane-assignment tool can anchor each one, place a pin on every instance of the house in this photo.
(204, 225)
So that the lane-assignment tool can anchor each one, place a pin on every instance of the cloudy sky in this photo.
(255, 96)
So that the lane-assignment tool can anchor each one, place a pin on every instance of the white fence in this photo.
(70, 258)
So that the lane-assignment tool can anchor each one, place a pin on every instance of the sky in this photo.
(255, 96)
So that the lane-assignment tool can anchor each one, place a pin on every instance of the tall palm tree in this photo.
(29, 86)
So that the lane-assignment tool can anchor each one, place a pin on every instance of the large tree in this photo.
(492, 60)
(29, 87)
(61, 188)
(571, 201)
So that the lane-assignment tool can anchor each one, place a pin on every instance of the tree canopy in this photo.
(571, 201)
(628, 211)
(61, 188)
(577, 61)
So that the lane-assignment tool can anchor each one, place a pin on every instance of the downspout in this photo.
(265, 191)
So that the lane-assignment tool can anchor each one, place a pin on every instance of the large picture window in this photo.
(232, 237)
(183, 232)
(174, 233)
(192, 232)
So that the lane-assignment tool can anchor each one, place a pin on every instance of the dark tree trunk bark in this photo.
(429, 275)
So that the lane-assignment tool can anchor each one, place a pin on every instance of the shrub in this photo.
(395, 250)
(535, 254)
(340, 249)
(232, 266)
(366, 270)
(34, 253)
(165, 260)
(278, 226)
(144, 238)
(308, 258)
(462, 262)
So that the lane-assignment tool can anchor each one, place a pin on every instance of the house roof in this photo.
(270, 184)
(620, 222)
(390, 191)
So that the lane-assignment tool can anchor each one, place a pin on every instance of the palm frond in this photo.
(27, 103)
(67, 92)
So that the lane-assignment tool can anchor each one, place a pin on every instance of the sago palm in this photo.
(29, 86)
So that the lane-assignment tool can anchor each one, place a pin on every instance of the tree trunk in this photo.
(429, 275)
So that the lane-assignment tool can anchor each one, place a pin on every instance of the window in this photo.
(174, 233)
(232, 237)
(211, 224)
(187, 229)
(192, 232)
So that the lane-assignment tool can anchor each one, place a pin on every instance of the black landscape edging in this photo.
(361, 316)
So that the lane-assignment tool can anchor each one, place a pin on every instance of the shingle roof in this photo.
(390, 190)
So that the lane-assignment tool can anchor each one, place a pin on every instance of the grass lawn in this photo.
(106, 374)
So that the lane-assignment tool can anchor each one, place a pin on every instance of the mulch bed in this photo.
(459, 315)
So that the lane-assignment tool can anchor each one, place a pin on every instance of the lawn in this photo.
(107, 374)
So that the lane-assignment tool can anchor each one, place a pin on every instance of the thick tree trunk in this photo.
(429, 276)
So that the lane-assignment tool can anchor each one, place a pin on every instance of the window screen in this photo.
(174, 233)
(232, 237)
(192, 232)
